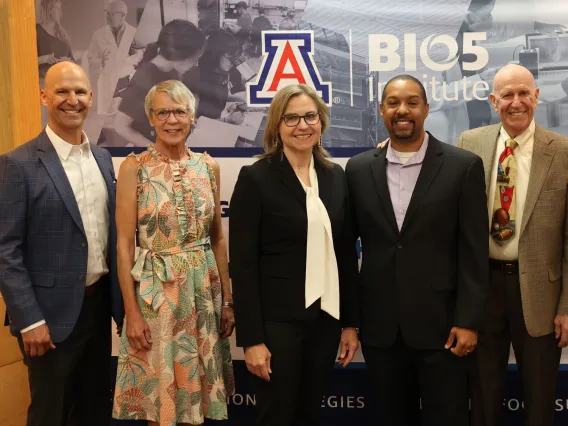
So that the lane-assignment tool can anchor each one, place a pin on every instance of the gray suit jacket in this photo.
(543, 235)
(43, 247)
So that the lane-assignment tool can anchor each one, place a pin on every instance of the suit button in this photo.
(83, 244)
(81, 277)
(399, 245)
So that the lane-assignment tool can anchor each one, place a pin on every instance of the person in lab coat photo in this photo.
(110, 47)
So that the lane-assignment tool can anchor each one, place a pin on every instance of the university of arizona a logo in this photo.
(288, 59)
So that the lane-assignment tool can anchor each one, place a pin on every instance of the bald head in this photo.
(512, 73)
(514, 97)
(57, 72)
(67, 96)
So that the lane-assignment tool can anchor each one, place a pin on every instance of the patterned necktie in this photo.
(504, 208)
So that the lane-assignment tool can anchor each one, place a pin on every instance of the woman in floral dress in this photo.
(174, 365)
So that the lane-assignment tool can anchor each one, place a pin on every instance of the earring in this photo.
(320, 143)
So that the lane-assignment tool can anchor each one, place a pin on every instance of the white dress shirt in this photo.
(91, 195)
(523, 160)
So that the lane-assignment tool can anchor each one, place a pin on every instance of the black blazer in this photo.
(433, 274)
(268, 236)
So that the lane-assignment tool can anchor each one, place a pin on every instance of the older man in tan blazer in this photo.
(526, 174)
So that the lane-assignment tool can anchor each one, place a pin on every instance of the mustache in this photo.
(396, 119)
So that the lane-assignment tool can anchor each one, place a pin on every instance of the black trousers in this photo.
(401, 376)
(303, 356)
(71, 384)
(538, 358)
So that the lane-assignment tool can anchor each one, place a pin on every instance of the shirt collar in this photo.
(524, 139)
(120, 30)
(417, 158)
(64, 148)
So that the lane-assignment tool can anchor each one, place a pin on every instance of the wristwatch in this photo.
(227, 304)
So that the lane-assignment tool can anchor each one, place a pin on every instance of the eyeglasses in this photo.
(117, 14)
(292, 120)
(164, 114)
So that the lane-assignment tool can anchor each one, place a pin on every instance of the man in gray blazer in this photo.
(528, 242)
(58, 258)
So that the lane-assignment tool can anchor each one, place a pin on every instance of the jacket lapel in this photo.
(48, 156)
(430, 167)
(324, 183)
(107, 172)
(288, 177)
(487, 154)
(543, 153)
(379, 170)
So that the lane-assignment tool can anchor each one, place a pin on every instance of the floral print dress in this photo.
(187, 374)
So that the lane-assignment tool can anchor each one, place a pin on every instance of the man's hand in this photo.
(227, 322)
(257, 358)
(138, 332)
(466, 341)
(348, 346)
(561, 330)
(37, 341)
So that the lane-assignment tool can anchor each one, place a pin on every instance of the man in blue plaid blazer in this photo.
(58, 258)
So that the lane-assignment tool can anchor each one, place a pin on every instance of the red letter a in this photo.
(287, 56)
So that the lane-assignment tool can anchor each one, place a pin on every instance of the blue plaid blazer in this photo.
(43, 247)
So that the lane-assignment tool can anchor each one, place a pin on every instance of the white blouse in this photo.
(322, 279)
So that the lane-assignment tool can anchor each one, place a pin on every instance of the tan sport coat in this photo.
(543, 238)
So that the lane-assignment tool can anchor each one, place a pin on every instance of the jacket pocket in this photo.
(554, 272)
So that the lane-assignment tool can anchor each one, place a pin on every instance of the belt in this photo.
(93, 288)
(505, 266)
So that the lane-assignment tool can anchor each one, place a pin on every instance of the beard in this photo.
(403, 133)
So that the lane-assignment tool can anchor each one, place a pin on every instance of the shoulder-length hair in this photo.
(45, 17)
(272, 141)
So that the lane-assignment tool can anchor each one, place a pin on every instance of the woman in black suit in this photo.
(293, 263)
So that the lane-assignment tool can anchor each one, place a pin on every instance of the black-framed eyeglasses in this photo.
(163, 114)
(292, 120)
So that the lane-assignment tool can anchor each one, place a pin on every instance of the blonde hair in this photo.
(45, 17)
(176, 90)
(272, 141)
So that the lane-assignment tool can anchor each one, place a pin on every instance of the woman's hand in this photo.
(48, 59)
(227, 321)
(257, 358)
(138, 332)
(348, 346)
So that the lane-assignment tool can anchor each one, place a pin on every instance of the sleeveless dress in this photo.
(187, 374)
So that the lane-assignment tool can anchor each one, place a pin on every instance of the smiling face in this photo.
(515, 98)
(67, 96)
(173, 130)
(303, 136)
(404, 111)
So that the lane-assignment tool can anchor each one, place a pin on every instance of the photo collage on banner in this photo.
(234, 55)
(453, 46)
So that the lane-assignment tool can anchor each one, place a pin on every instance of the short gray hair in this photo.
(176, 90)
